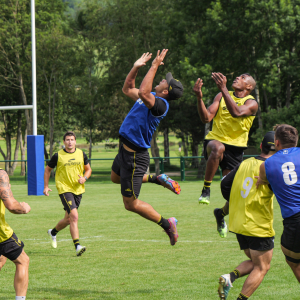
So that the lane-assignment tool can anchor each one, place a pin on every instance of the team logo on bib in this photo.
(285, 151)
(139, 101)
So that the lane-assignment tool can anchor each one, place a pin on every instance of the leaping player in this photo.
(232, 114)
(131, 163)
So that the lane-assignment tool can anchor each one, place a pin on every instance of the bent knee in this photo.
(73, 217)
(114, 177)
(129, 206)
(216, 149)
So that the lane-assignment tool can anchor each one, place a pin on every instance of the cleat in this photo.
(221, 225)
(52, 239)
(172, 231)
(169, 183)
(80, 249)
(204, 198)
(224, 286)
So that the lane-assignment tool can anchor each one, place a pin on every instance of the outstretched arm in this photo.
(146, 85)
(129, 84)
(206, 114)
(8, 199)
(248, 109)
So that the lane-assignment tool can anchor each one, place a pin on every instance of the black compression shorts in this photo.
(232, 156)
(290, 238)
(131, 167)
(255, 243)
(70, 201)
(11, 248)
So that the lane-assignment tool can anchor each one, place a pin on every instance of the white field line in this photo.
(104, 239)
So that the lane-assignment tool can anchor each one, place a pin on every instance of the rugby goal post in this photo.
(35, 143)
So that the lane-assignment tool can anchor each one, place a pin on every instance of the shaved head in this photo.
(250, 80)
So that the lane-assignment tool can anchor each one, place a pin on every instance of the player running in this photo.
(282, 172)
(70, 163)
(10, 246)
(232, 114)
(132, 161)
(251, 219)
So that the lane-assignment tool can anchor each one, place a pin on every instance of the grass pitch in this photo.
(129, 257)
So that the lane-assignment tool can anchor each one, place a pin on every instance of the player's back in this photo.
(283, 174)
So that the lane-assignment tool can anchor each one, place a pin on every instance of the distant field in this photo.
(129, 257)
(102, 168)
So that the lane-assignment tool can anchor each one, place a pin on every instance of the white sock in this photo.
(20, 297)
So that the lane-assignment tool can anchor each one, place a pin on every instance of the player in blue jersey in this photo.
(282, 172)
(132, 161)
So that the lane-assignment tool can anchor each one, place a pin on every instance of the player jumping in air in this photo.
(232, 114)
(132, 161)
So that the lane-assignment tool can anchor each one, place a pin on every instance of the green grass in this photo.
(129, 257)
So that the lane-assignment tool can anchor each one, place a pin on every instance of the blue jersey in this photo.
(283, 174)
(139, 125)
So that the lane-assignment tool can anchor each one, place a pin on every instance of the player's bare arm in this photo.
(147, 83)
(8, 199)
(262, 178)
(206, 114)
(129, 88)
(248, 109)
(46, 181)
(87, 174)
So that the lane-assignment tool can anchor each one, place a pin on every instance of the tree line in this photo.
(86, 48)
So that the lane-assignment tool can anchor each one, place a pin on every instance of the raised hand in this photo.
(142, 60)
(197, 88)
(220, 80)
(158, 60)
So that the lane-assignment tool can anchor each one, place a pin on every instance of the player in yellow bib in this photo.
(251, 219)
(232, 114)
(70, 164)
(10, 246)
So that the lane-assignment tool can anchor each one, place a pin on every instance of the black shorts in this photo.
(11, 248)
(290, 238)
(255, 243)
(232, 156)
(70, 201)
(131, 167)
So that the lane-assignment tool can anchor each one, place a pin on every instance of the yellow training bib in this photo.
(5, 231)
(230, 130)
(69, 166)
(250, 209)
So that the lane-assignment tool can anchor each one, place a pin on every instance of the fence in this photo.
(180, 167)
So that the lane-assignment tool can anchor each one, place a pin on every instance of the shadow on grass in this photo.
(49, 293)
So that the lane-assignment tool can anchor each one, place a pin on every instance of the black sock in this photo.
(153, 179)
(220, 213)
(164, 223)
(54, 232)
(76, 243)
(242, 297)
(235, 274)
(207, 184)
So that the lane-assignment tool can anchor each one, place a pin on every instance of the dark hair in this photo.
(69, 133)
(287, 135)
(265, 151)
